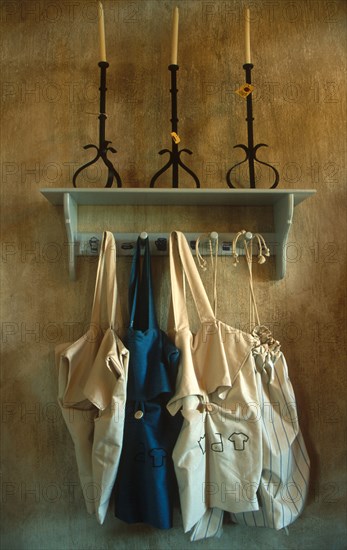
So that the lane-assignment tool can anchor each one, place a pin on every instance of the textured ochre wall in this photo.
(49, 102)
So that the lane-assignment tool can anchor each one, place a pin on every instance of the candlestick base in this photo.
(103, 148)
(251, 149)
(174, 155)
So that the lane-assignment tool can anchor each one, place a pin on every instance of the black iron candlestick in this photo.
(251, 149)
(101, 151)
(175, 155)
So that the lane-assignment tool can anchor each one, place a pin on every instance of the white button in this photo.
(138, 415)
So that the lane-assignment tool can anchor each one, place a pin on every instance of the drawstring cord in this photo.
(263, 252)
(263, 249)
(234, 254)
(253, 309)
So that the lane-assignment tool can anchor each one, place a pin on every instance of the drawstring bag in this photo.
(92, 376)
(145, 485)
(285, 463)
(218, 453)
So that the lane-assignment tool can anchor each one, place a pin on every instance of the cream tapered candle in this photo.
(102, 32)
(174, 44)
(248, 35)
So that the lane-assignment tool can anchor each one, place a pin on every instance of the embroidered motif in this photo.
(158, 457)
(238, 439)
(218, 447)
(202, 444)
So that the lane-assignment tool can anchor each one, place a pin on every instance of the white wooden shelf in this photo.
(183, 197)
(283, 202)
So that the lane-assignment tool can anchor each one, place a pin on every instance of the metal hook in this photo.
(94, 244)
(161, 244)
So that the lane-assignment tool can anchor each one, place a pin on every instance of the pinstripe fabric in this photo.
(284, 481)
(210, 525)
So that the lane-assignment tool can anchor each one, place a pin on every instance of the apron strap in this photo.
(253, 309)
(214, 261)
(182, 264)
(104, 309)
(141, 300)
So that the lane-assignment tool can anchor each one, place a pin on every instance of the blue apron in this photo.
(145, 488)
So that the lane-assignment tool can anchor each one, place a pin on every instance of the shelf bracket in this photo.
(283, 218)
(70, 216)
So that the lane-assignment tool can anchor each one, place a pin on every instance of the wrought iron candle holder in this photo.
(102, 150)
(251, 149)
(175, 155)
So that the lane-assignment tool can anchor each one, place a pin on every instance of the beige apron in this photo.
(92, 376)
(217, 456)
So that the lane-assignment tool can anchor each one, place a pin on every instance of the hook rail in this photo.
(88, 243)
